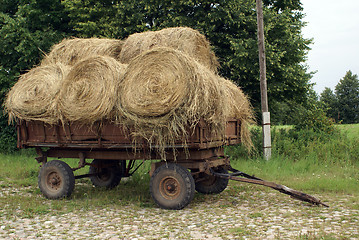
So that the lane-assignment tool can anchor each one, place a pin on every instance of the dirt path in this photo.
(247, 215)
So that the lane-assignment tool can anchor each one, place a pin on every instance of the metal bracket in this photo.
(42, 156)
(82, 161)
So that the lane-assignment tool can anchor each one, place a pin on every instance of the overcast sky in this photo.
(334, 26)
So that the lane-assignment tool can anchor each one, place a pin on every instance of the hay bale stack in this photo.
(186, 40)
(32, 97)
(168, 86)
(165, 91)
(238, 107)
(70, 51)
(89, 92)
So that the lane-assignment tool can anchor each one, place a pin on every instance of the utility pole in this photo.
(267, 146)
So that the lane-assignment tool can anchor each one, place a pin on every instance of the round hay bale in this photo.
(184, 39)
(89, 91)
(237, 102)
(238, 107)
(70, 51)
(33, 96)
(165, 91)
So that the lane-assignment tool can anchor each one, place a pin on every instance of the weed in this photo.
(256, 215)
(313, 236)
(239, 231)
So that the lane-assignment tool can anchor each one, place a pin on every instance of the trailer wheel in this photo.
(108, 176)
(56, 180)
(172, 186)
(212, 184)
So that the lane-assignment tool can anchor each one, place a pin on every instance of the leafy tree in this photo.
(91, 18)
(329, 102)
(9, 7)
(312, 116)
(286, 112)
(347, 92)
(28, 28)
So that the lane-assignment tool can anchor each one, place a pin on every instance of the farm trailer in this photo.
(196, 164)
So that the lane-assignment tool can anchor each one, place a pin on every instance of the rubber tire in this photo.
(172, 173)
(111, 176)
(213, 185)
(63, 177)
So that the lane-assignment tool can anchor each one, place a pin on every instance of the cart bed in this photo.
(110, 141)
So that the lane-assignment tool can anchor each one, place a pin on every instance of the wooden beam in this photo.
(263, 82)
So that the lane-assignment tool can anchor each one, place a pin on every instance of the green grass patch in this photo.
(351, 130)
(21, 168)
(239, 231)
(19, 176)
(304, 174)
(306, 159)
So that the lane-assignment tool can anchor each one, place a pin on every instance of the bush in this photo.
(7, 136)
(293, 144)
(314, 120)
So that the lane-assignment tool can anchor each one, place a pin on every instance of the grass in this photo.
(307, 160)
(19, 171)
(303, 174)
(351, 130)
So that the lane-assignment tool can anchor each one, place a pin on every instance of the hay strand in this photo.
(32, 97)
(71, 51)
(89, 91)
(183, 39)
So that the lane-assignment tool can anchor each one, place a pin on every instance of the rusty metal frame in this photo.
(200, 166)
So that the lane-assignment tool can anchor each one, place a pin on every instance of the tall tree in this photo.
(347, 92)
(329, 102)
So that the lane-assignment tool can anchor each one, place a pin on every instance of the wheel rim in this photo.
(53, 181)
(170, 188)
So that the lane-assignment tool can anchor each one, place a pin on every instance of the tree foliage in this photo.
(28, 28)
(343, 104)
(329, 103)
(347, 92)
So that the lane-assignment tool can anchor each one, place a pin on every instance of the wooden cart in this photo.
(188, 167)
(195, 164)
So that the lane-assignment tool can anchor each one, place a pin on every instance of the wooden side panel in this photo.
(112, 136)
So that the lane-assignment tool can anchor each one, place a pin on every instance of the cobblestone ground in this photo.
(248, 215)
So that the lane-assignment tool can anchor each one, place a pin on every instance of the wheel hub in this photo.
(170, 187)
(53, 180)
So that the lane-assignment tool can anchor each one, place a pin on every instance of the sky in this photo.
(334, 26)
